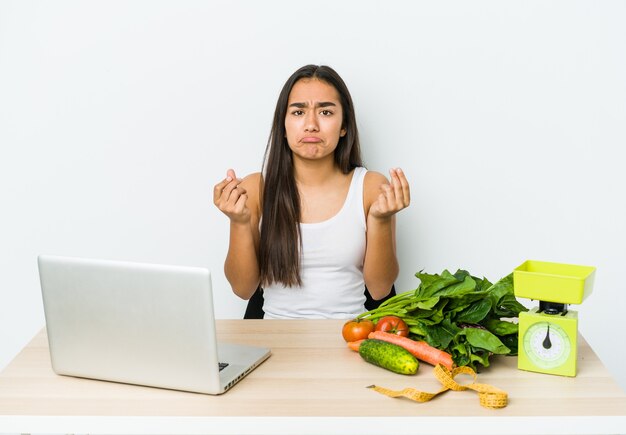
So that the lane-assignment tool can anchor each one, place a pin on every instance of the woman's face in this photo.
(313, 123)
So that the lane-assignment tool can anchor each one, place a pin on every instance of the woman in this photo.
(315, 227)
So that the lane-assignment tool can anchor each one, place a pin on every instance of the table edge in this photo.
(312, 425)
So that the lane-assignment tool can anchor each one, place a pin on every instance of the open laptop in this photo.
(138, 323)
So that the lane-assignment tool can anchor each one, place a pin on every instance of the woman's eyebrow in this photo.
(320, 104)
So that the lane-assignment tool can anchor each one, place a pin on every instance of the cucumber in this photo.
(388, 356)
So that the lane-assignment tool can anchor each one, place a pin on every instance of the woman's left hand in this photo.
(393, 197)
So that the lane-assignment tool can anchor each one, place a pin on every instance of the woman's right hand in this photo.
(231, 198)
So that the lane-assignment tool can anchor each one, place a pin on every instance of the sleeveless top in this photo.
(331, 266)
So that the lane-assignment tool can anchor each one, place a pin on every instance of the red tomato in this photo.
(393, 325)
(357, 329)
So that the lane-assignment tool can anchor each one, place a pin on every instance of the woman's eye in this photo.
(326, 112)
(297, 112)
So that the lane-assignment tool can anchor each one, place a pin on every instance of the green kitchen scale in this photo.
(548, 334)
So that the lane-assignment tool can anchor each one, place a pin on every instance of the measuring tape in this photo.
(489, 396)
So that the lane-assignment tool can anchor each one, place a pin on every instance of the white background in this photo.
(509, 118)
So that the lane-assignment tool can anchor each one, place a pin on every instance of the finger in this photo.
(406, 190)
(401, 186)
(218, 189)
(232, 192)
(397, 189)
(386, 198)
(240, 204)
(230, 175)
(224, 190)
(236, 193)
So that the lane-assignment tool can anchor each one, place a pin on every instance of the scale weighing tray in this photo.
(553, 282)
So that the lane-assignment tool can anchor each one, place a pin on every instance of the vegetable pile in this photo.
(459, 314)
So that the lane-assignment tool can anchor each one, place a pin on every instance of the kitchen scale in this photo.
(548, 334)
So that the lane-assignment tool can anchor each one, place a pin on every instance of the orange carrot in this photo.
(419, 349)
(354, 345)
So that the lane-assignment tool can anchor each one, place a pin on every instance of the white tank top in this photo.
(331, 266)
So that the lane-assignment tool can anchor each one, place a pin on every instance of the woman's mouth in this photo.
(310, 139)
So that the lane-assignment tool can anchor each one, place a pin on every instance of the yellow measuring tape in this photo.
(489, 397)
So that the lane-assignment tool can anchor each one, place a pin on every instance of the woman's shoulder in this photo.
(373, 180)
(371, 186)
(252, 180)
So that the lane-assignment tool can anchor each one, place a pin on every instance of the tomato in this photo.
(393, 325)
(357, 329)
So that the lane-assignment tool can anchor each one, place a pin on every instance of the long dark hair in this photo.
(279, 251)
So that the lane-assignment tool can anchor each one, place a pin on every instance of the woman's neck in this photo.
(315, 172)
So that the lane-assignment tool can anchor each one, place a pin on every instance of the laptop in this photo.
(137, 323)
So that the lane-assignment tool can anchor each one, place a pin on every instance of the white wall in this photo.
(116, 119)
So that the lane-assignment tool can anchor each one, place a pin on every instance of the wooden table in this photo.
(312, 383)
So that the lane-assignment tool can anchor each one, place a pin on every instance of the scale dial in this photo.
(547, 345)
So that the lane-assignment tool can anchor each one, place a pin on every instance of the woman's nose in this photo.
(311, 122)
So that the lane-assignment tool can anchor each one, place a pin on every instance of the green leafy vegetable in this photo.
(460, 314)
(483, 339)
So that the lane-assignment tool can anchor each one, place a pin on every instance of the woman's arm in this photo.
(239, 200)
(382, 201)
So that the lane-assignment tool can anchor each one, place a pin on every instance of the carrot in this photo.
(354, 345)
(419, 349)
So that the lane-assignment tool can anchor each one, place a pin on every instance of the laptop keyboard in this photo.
(222, 365)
